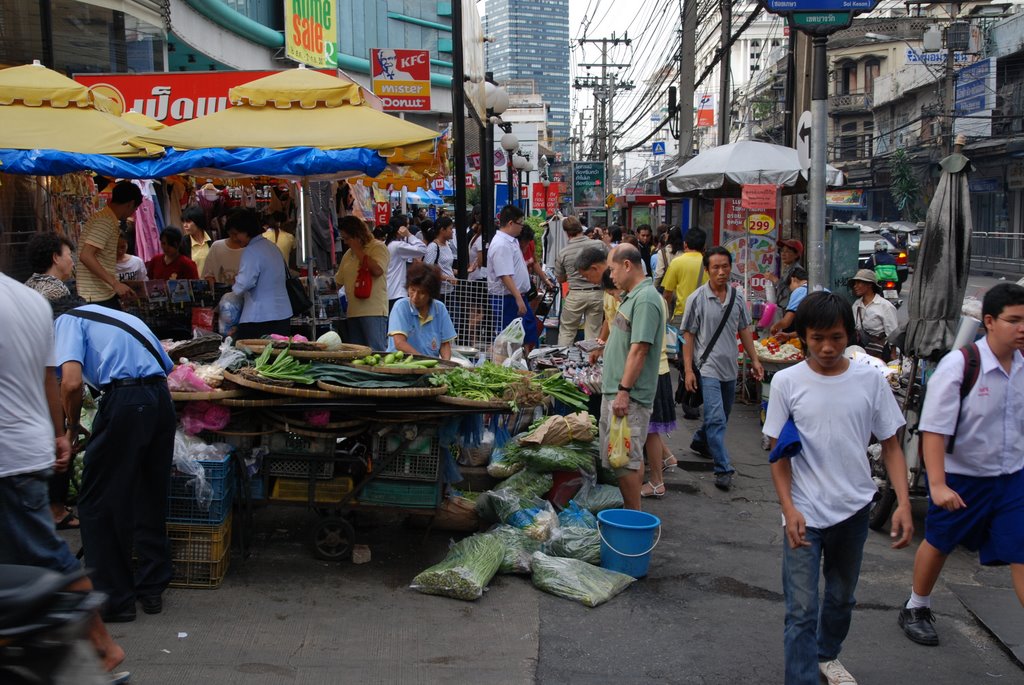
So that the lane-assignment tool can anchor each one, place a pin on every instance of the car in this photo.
(866, 248)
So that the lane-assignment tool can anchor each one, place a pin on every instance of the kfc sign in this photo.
(401, 78)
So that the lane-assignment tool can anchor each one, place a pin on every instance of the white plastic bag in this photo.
(508, 341)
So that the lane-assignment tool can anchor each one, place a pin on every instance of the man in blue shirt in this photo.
(123, 499)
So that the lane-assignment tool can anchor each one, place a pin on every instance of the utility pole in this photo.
(724, 98)
(687, 75)
(604, 89)
(949, 96)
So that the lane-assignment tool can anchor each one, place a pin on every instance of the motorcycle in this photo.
(43, 629)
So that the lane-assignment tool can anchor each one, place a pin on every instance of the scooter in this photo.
(890, 292)
(43, 629)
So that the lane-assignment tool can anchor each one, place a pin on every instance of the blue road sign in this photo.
(786, 6)
(658, 148)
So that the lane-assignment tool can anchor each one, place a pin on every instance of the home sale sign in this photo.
(311, 32)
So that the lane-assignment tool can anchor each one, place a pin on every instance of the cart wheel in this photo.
(881, 507)
(333, 539)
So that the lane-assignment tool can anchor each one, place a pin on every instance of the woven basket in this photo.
(276, 389)
(387, 393)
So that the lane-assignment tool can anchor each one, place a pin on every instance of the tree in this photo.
(905, 188)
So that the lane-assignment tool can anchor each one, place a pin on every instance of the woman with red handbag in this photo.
(362, 274)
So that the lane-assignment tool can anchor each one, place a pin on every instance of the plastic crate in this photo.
(185, 509)
(401, 493)
(216, 473)
(298, 468)
(420, 460)
(282, 442)
(200, 555)
(257, 489)
(297, 490)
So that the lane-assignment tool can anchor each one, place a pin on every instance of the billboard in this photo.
(588, 186)
(401, 78)
(311, 32)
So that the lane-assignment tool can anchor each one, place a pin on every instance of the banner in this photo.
(751, 238)
(588, 186)
(852, 198)
(381, 213)
(401, 78)
(546, 199)
(706, 111)
(757, 196)
(311, 32)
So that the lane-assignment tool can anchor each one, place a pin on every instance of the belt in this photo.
(130, 382)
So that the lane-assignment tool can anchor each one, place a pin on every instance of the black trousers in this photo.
(123, 501)
(258, 329)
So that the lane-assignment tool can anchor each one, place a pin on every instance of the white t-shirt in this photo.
(402, 252)
(26, 343)
(836, 417)
(505, 258)
(475, 247)
(444, 259)
(132, 269)
(223, 262)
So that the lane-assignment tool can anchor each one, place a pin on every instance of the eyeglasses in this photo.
(1014, 322)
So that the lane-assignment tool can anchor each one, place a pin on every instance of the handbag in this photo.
(297, 295)
(693, 399)
(364, 281)
(874, 345)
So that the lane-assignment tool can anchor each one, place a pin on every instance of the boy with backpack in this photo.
(821, 416)
(974, 457)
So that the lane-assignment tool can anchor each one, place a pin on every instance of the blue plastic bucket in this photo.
(627, 540)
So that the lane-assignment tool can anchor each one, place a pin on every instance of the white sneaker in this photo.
(835, 673)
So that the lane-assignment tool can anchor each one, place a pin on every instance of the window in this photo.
(872, 68)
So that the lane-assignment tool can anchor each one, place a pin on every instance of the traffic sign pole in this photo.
(816, 181)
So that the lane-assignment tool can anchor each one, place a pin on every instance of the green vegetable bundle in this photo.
(518, 548)
(574, 579)
(466, 571)
(361, 377)
(555, 385)
(575, 543)
(500, 505)
(489, 382)
(595, 498)
(284, 367)
(547, 458)
(528, 484)
(395, 360)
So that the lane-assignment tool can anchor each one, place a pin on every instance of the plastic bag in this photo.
(498, 505)
(188, 452)
(184, 379)
(561, 430)
(577, 580)
(230, 356)
(203, 416)
(575, 543)
(479, 454)
(501, 467)
(229, 311)
(508, 341)
(519, 547)
(618, 442)
(546, 458)
(595, 498)
(528, 484)
(538, 521)
(575, 516)
(456, 513)
(466, 571)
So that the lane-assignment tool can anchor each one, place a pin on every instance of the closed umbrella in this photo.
(943, 263)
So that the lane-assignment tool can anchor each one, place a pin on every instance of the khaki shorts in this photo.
(639, 418)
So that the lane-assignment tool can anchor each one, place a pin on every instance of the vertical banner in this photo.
(311, 32)
(732, 224)
(588, 186)
(401, 79)
(706, 111)
(381, 213)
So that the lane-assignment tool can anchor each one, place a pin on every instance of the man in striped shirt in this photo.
(98, 282)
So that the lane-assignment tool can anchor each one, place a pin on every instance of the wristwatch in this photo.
(623, 388)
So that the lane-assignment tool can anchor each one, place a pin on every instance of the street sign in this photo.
(803, 141)
(816, 20)
(788, 6)
(658, 147)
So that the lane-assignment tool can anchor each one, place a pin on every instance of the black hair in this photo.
(125, 192)
(195, 215)
(616, 234)
(716, 250)
(589, 256)
(354, 227)
(41, 249)
(65, 304)
(399, 220)
(821, 311)
(444, 222)
(676, 240)
(509, 213)
(696, 239)
(243, 220)
(606, 280)
(426, 276)
(527, 234)
(172, 235)
(644, 227)
(429, 230)
(799, 273)
(1001, 296)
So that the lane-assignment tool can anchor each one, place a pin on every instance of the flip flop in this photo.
(66, 522)
(656, 491)
(120, 678)
(669, 464)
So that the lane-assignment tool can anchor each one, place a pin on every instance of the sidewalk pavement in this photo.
(710, 611)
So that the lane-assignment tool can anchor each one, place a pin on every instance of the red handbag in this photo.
(364, 280)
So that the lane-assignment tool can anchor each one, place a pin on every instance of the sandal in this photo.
(651, 490)
(670, 463)
(69, 522)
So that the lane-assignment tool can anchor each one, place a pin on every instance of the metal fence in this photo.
(476, 321)
(997, 252)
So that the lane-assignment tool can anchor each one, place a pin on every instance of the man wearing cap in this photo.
(583, 303)
(874, 316)
(790, 251)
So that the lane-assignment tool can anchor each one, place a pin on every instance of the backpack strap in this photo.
(972, 369)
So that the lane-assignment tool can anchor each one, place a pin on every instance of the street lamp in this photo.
(497, 102)
(510, 143)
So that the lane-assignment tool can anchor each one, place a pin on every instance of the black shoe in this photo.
(918, 625)
(723, 481)
(152, 604)
(126, 615)
(701, 449)
(690, 415)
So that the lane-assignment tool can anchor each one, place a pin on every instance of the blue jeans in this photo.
(371, 331)
(27, 533)
(816, 634)
(718, 399)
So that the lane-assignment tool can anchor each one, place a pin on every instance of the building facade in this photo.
(529, 40)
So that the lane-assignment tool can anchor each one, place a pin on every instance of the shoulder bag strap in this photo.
(111, 321)
(700, 272)
(721, 326)
(972, 369)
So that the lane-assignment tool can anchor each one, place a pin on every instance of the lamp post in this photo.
(520, 163)
(509, 143)
(497, 103)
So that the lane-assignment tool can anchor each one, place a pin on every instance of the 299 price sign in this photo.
(760, 224)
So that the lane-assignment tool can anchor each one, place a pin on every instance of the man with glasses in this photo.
(508, 279)
(97, 282)
(974, 457)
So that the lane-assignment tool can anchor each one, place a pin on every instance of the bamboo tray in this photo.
(347, 351)
(212, 396)
(293, 421)
(383, 393)
(474, 404)
(277, 389)
(257, 401)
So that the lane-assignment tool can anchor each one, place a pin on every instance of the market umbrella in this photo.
(943, 263)
(43, 112)
(722, 171)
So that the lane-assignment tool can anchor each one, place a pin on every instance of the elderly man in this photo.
(583, 302)
(631, 360)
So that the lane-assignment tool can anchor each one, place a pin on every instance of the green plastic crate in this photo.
(401, 493)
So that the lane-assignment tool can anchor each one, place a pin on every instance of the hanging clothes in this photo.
(175, 196)
(147, 232)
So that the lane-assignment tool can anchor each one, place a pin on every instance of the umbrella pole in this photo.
(306, 245)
